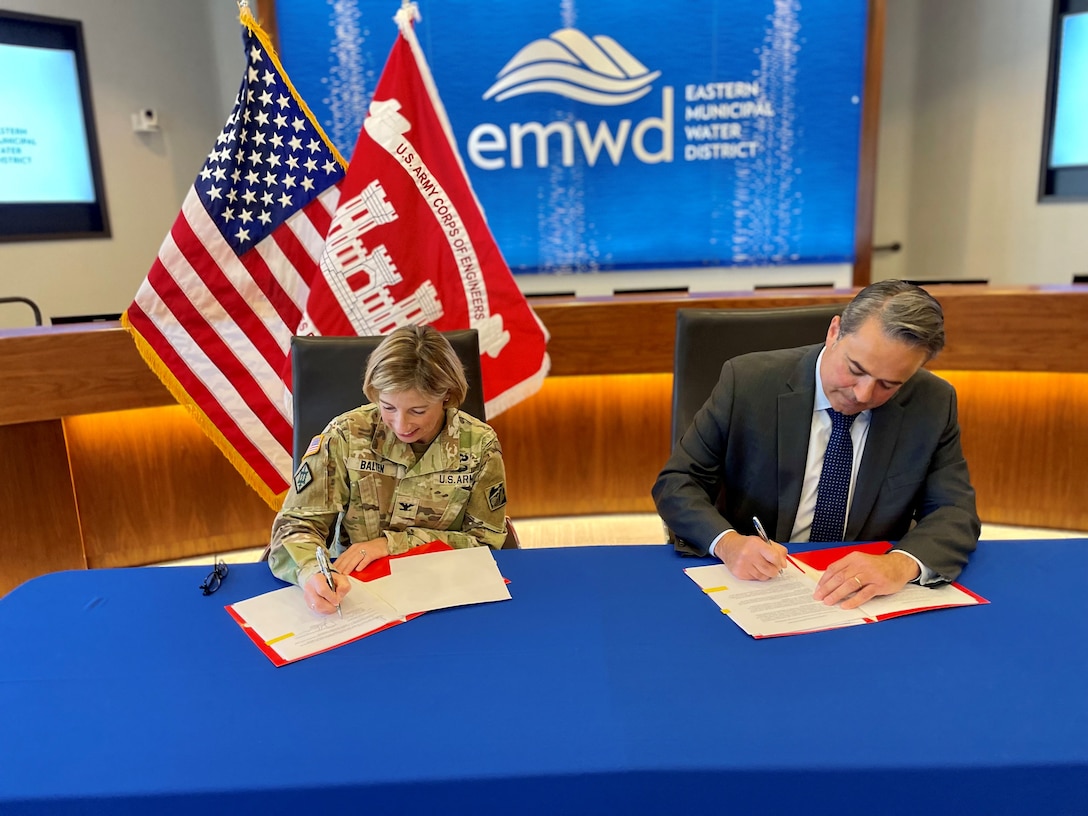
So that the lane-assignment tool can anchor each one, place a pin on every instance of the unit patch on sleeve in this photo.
(315, 446)
(303, 477)
(496, 496)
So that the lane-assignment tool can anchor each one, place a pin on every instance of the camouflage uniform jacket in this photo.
(455, 492)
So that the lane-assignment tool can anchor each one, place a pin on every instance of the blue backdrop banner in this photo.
(623, 135)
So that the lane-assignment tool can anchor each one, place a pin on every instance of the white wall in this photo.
(894, 172)
(961, 145)
(140, 54)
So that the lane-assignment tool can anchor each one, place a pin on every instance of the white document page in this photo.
(785, 606)
(780, 606)
(420, 583)
(288, 626)
(442, 579)
(913, 596)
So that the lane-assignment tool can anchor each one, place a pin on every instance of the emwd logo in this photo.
(595, 71)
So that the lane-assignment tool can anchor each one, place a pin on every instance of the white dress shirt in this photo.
(819, 434)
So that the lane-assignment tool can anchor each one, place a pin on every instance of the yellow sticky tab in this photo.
(708, 590)
(725, 611)
(278, 639)
(315, 446)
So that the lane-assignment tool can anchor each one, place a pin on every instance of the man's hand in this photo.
(750, 558)
(857, 577)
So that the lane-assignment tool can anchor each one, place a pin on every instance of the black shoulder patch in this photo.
(303, 477)
(496, 496)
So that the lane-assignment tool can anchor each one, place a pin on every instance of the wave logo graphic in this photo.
(596, 70)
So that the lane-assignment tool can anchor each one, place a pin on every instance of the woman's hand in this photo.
(359, 555)
(320, 598)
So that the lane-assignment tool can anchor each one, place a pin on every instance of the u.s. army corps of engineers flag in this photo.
(409, 243)
(246, 264)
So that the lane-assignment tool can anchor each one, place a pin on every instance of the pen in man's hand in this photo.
(764, 536)
(760, 530)
(326, 570)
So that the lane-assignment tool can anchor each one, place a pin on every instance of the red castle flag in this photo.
(409, 242)
(215, 315)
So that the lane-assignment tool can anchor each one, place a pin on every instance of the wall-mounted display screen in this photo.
(1070, 143)
(1065, 146)
(622, 136)
(50, 179)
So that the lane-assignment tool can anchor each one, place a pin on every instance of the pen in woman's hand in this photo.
(326, 571)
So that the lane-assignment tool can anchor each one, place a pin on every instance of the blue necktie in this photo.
(829, 520)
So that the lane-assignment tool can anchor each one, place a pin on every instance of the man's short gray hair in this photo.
(906, 312)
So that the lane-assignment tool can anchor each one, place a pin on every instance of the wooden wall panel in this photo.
(636, 334)
(1014, 330)
(39, 528)
(96, 367)
(1025, 436)
(586, 445)
(989, 329)
(149, 486)
(152, 487)
(59, 371)
(870, 132)
(596, 444)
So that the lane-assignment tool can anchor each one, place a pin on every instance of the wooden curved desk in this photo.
(102, 469)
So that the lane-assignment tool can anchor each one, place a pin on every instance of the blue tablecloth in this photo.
(609, 684)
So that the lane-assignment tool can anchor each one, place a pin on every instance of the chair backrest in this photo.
(327, 379)
(706, 338)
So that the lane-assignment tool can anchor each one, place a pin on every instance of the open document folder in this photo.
(785, 606)
(286, 629)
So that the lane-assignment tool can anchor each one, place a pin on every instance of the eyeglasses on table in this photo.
(215, 577)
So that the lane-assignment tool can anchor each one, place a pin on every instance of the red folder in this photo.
(822, 559)
(372, 571)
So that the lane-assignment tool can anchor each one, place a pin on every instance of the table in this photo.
(609, 684)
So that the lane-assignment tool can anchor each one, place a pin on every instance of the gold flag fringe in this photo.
(273, 500)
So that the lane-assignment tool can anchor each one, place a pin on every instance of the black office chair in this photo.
(327, 380)
(707, 338)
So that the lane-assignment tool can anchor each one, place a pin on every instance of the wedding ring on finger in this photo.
(860, 585)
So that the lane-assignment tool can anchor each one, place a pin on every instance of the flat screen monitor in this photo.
(64, 320)
(50, 174)
(1065, 142)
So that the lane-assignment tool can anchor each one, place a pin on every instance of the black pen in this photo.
(326, 570)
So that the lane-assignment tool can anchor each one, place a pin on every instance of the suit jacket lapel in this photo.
(884, 424)
(794, 425)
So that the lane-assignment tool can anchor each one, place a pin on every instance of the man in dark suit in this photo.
(757, 449)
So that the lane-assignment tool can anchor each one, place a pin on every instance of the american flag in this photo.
(214, 317)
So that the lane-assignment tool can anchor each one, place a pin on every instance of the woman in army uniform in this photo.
(407, 469)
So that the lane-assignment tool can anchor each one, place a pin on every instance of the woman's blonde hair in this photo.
(416, 357)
